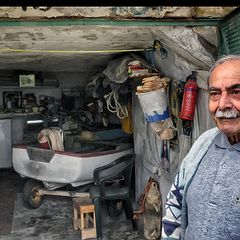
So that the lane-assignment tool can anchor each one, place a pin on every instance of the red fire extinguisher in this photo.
(189, 97)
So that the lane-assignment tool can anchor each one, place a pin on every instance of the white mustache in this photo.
(226, 114)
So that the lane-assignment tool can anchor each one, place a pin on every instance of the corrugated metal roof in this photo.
(229, 34)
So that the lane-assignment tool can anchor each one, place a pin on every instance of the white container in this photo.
(9, 104)
(154, 105)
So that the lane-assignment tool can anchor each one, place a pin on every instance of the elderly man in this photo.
(204, 201)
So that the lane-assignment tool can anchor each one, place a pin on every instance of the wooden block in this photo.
(89, 233)
(84, 217)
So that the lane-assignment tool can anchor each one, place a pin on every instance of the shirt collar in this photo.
(222, 141)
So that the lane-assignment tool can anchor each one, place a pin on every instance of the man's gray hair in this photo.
(221, 60)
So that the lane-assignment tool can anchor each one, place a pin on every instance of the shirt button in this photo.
(224, 165)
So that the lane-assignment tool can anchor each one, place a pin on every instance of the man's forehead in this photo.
(230, 64)
(231, 86)
(227, 71)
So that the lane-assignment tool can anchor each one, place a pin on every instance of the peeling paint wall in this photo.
(212, 11)
(114, 12)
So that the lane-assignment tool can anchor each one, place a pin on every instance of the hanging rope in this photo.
(114, 106)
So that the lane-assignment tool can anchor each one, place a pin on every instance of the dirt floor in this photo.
(52, 220)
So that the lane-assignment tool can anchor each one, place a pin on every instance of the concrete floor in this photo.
(53, 219)
(10, 184)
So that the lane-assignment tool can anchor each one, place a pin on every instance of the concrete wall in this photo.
(120, 12)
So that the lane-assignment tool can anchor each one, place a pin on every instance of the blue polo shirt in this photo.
(213, 197)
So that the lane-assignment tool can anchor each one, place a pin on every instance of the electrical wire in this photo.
(115, 107)
(70, 51)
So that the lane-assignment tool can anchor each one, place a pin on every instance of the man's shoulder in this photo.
(199, 148)
(208, 134)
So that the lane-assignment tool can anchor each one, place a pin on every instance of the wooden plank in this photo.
(75, 219)
(87, 208)
(82, 221)
(64, 193)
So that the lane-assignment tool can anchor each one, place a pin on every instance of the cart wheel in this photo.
(31, 196)
(114, 208)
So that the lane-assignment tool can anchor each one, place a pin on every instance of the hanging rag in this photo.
(153, 99)
(165, 156)
(153, 213)
(53, 137)
(127, 126)
(151, 208)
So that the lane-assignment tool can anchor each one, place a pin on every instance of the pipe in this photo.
(110, 22)
(70, 51)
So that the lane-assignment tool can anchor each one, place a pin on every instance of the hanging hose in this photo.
(115, 107)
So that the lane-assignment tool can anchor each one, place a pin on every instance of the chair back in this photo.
(121, 168)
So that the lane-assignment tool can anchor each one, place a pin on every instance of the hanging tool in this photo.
(189, 103)
(150, 54)
(158, 45)
(189, 98)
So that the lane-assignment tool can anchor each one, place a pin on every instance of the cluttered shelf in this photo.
(138, 70)
(13, 114)
(140, 76)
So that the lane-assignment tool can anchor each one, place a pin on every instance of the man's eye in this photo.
(235, 92)
(214, 93)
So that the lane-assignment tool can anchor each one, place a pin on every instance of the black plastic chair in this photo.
(102, 190)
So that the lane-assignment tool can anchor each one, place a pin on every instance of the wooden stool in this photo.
(84, 217)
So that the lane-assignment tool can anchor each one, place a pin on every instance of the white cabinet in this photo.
(5, 144)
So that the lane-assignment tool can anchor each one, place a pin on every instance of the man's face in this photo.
(224, 97)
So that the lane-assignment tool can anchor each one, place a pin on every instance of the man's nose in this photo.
(224, 101)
